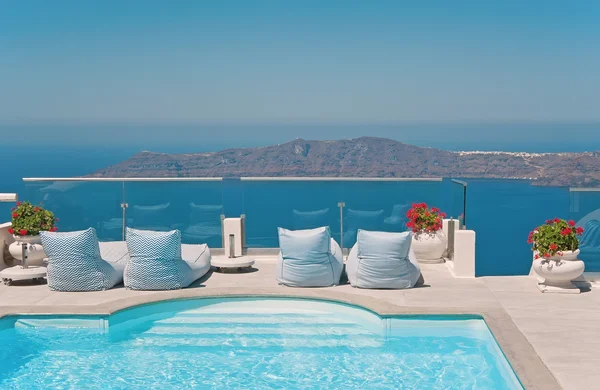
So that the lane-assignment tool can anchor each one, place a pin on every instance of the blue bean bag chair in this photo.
(382, 260)
(75, 261)
(158, 261)
(309, 258)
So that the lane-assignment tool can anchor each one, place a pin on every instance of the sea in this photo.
(501, 212)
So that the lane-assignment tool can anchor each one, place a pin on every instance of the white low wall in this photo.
(5, 240)
(463, 265)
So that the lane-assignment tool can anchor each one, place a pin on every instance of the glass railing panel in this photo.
(194, 207)
(291, 204)
(81, 204)
(5, 208)
(381, 204)
(584, 209)
(458, 202)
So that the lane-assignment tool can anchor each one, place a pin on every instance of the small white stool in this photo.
(36, 273)
(234, 263)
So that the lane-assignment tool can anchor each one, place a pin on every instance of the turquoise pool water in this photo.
(250, 343)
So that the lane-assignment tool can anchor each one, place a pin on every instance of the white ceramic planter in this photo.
(429, 247)
(35, 250)
(556, 273)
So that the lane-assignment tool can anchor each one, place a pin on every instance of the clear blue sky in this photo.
(289, 62)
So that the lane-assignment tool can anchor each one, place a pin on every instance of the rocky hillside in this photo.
(364, 157)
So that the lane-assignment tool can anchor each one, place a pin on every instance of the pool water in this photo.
(250, 343)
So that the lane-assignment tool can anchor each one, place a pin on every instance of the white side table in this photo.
(233, 263)
(36, 273)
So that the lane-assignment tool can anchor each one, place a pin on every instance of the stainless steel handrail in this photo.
(119, 179)
(584, 189)
(249, 178)
(337, 178)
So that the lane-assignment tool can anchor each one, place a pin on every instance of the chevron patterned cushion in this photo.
(75, 264)
(155, 261)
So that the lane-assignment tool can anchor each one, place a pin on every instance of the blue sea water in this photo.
(252, 343)
(502, 212)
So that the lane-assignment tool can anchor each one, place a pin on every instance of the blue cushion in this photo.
(383, 245)
(75, 264)
(382, 260)
(155, 261)
(311, 244)
(308, 258)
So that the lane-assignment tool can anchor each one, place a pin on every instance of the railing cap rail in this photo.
(251, 178)
(584, 189)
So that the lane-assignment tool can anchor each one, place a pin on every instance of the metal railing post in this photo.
(341, 205)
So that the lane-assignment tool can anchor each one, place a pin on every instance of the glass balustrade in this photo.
(195, 206)
(289, 203)
(584, 209)
(81, 204)
(381, 205)
(458, 202)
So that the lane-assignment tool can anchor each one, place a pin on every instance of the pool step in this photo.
(222, 341)
(188, 318)
(229, 329)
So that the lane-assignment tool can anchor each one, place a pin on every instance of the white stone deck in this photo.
(564, 330)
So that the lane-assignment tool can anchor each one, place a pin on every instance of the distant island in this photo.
(365, 157)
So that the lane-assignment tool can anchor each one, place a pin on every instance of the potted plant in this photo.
(556, 246)
(27, 222)
(429, 241)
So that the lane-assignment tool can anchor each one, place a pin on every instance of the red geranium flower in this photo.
(571, 223)
(54, 229)
(11, 230)
(547, 255)
(579, 231)
(18, 203)
(556, 220)
(23, 232)
(15, 215)
(553, 246)
(566, 231)
(536, 256)
(36, 209)
(549, 221)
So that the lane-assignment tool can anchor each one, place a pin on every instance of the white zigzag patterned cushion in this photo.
(156, 264)
(75, 264)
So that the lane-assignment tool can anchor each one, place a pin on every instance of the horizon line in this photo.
(466, 122)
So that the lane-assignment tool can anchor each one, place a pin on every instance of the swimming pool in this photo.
(250, 343)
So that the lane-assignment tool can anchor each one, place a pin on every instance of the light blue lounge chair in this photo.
(76, 261)
(309, 258)
(382, 260)
(158, 261)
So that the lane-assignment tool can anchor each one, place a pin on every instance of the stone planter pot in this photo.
(557, 273)
(35, 250)
(429, 247)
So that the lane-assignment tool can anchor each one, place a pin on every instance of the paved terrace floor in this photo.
(563, 330)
